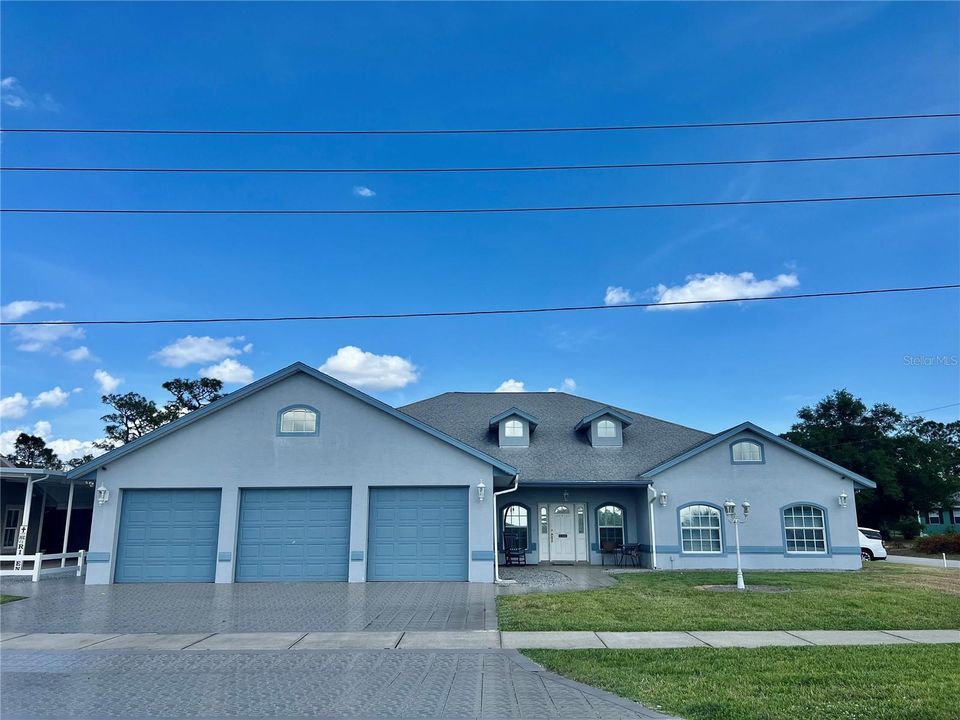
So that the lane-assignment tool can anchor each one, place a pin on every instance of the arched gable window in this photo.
(298, 420)
(610, 527)
(606, 429)
(513, 428)
(805, 529)
(746, 451)
(700, 529)
(516, 521)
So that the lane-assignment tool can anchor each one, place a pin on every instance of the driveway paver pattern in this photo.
(317, 684)
(67, 605)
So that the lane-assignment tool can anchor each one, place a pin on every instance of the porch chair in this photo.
(609, 547)
(513, 551)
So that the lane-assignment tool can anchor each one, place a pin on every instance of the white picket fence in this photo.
(38, 569)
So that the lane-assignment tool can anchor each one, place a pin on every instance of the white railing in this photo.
(37, 570)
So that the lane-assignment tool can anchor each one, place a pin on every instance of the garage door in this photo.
(418, 533)
(168, 536)
(293, 534)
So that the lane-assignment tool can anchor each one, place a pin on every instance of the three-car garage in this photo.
(294, 534)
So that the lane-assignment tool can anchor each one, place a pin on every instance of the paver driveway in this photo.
(67, 605)
(317, 684)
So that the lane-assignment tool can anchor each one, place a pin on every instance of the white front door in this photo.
(562, 534)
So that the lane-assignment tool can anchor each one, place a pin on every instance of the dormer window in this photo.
(298, 420)
(604, 428)
(513, 427)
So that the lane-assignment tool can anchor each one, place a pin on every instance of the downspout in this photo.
(496, 544)
(651, 497)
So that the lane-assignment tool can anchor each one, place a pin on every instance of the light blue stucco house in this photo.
(299, 476)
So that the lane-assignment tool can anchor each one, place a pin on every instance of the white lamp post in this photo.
(730, 509)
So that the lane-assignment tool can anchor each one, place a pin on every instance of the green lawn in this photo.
(9, 598)
(880, 597)
(893, 682)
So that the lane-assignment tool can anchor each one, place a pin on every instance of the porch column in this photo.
(24, 525)
(43, 509)
(66, 529)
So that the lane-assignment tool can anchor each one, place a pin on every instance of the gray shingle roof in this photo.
(557, 452)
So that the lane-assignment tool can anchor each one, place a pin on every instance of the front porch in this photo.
(576, 523)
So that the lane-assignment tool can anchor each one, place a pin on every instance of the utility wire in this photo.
(484, 131)
(465, 313)
(465, 211)
(508, 168)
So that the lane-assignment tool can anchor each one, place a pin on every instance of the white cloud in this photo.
(363, 191)
(79, 353)
(367, 370)
(55, 397)
(721, 286)
(18, 308)
(14, 406)
(66, 449)
(14, 95)
(191, 349)
(618, 296)
(568, 385)
(45, 338)
(510, 385)
(108, 383)
(229, 371)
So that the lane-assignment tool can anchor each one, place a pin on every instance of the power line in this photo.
(466, 211)
(485, 131)
(465, 313)
(508, 168)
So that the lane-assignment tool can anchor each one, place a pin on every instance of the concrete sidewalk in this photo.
(464, 640)
(922, 561)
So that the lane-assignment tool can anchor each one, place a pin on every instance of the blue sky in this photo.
(415, 66)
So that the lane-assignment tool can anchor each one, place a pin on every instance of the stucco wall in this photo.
(237, 447)
(631, 499)
(782, 479)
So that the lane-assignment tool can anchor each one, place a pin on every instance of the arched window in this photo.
(297, 420)
(805, 529)
(606, 429)
(746, 451)
(513, 428)
(515, 519)
(610, 526)
(700, 529)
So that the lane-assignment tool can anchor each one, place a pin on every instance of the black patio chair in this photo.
(631, 551)
(609, 547)
(514, 552)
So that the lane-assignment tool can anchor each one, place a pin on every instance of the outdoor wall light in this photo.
(481, 490)
(103, 495)
(663, 498)
(842, 499)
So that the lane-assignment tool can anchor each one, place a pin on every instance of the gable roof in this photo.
(558, 452)
(265, 382)
(769, 437)
(624, 419)
(515, 411)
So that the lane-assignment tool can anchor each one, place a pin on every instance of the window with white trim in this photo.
(515, 527)
(956, 516)
(11, 526)
(298, 420)
(610, 526)
(606, 429)
(804, 528)
(700, 529)
(934, 518)
(746, 451)
(513, 428)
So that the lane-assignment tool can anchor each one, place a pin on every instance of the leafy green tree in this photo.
(914, 461)
(30, 451)
(135, 415)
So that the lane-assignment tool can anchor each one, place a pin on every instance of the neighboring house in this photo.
(943, 520)
(299, 476)
(43, 507)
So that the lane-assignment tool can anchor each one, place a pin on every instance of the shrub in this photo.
(948, 542)
(906, 528)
